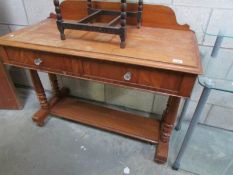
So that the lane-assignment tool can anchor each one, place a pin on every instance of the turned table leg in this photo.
(54, 84)
(58, 93)
(40, 116)
(182, 115)
(167, 125)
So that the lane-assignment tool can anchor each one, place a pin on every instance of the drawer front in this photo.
(109, 71)
(160, 79)
(43, 61)
(151, 79)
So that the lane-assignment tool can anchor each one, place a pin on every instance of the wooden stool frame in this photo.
(110, 28)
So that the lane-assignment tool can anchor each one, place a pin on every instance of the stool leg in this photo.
(89, 6)
(123, 23)
(196, 116)
(59, 19)
(182, 115)
(139, 15)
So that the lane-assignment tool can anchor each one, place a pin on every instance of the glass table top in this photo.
(217, 62)
(218, 71)
(220, 26)
(228, 33)
(216, 84)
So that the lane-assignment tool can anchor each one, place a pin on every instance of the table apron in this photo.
(151, 79)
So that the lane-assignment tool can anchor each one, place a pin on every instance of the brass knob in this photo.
(128, 76)
(37, 61)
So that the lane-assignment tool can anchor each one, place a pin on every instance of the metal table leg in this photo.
(193, 123)
(217, 45)
(183, 112)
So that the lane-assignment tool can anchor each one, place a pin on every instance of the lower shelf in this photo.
(131, 125)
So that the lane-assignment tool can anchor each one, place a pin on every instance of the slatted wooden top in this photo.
(152, 47)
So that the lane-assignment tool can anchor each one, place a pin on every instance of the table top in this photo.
(218, 71)
(221, 26)
(216, 84)
(151, 47)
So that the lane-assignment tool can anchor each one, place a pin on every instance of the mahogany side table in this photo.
(162, 56)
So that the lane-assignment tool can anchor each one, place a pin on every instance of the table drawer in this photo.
(135, 76)
(109, 71)
(43, 61)
(153, 79)
(167, 81)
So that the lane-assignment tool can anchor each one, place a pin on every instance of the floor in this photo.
(65, 148)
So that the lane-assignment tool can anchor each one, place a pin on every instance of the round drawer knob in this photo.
(128, 76)
(38, 61)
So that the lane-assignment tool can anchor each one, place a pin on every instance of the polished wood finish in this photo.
(131, 125)
(157, 51)
(153, 15)
(8, 95)
(167, 124)
(40, 116)
(179, 84)
(142, 77)
(44, 111)
(50, 62)
(54, 84)
(160, 57)
(39, 89)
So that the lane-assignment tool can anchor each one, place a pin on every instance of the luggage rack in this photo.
(111, 27)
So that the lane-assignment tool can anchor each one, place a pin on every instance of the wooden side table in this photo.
(162, 56)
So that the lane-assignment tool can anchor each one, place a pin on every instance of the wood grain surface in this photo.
(8, 96)
(131, 125)
(151, 79)
(158, 16)
(162, 56)
(150, 47)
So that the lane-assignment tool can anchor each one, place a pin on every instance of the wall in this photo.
(201, 15)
